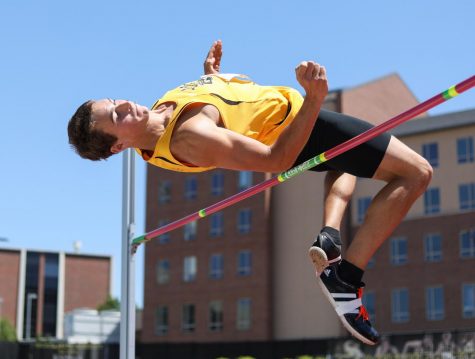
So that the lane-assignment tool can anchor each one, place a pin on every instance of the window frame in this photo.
(163, 274)
(430, 151)
(217, 183)
(399, 300)
(433, 312)
(244, 314)
(188, 318)
(244, 220)
(397, 245)
(465, 150)
(470, 312)
(430, 254)
(216, 318)
(190, 231)
(164, 192)
(216, 223)
(432, 201)
(467, 243)
(162, 328)
(245, 180)
(244, 263)
(191, 188)
(216, 266)
(190, 269)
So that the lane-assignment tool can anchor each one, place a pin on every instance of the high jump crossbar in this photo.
(315, 161)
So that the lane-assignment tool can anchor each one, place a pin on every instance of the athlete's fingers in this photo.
(322, 73)
(310, 70)
(301, 68)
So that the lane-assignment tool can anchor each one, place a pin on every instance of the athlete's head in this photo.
(102, 128)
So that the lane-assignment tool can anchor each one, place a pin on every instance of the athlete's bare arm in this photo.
(199, 138)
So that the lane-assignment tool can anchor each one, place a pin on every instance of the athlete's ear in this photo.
(117, 147)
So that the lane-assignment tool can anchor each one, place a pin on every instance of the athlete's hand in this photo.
(313, 78)
(213, 59)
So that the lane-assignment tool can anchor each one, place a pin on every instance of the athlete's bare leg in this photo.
(407, 175)
(339, 187)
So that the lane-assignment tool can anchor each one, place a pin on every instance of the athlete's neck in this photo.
(155, 127)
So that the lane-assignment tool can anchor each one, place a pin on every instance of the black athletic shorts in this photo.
(333, 128)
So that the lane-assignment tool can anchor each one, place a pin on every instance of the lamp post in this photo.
(29, 299)
(127, 299)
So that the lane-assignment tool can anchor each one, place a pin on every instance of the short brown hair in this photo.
(89, 143)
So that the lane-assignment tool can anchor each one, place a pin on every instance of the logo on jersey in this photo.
(191, 86)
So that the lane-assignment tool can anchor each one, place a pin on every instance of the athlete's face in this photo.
(121, 118)
(117, 116)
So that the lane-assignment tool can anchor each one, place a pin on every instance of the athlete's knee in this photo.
(422, 176)
(340, 184)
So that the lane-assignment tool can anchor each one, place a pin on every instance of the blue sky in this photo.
(57, 54)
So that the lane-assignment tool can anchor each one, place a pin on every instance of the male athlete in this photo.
(230, 122)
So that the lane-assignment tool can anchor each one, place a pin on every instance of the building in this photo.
(38, 287)
(243, 274)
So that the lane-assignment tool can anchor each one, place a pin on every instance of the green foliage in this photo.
(109, 304)
(7, 331)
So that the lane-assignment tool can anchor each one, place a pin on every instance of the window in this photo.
(244, 263)
(165, 237)
(432, 201)
(398, 250)
(217, 183)
(363, 204)
(189, 269)
(369, 303)
(467, 244)
(161, 320)
(435, 303)
(244, 180)
(371, 263)
(430, 151)
(400, 305)
(433, 247)
(217, 224)
(465, 150)
(190, 187)
(50, 296)
(216, 266)
(244, 221)
(189, 231)
(467, 196)
(243, 320)
(468, 300)
(215, 318)
(188, 318)
(164, 192)
(163, 271)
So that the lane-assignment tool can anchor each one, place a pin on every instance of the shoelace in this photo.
(363, 313)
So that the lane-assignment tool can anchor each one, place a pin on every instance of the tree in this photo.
(7, 331)
(109, 304)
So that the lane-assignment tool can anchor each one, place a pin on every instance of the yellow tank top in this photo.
(259, 112)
